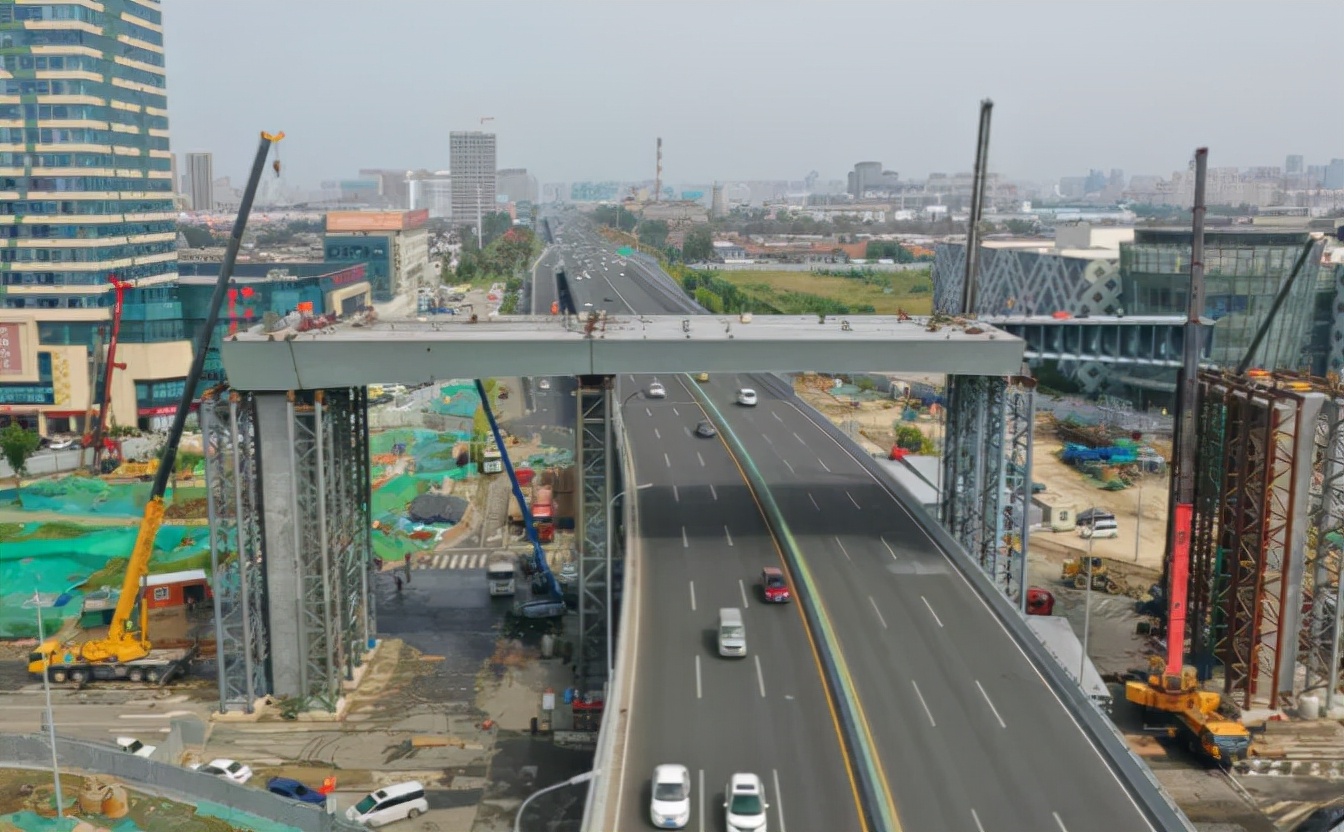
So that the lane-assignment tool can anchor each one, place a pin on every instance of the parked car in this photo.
(400, 802)
(544, 384)
(133, 746)
(670, 807)
(744, 803)
(61, 443)
(228, 769)
(773, 585)
(746, 397)
(1087, 515)
(294, 790)
(706, 430)
(656, 391)
(702, 377)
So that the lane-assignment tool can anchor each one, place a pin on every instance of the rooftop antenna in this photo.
(658, 172)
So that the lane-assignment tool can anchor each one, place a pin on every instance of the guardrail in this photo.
(857, 742)
(220, 798)
(1133, 773)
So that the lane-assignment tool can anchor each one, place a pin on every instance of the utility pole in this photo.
(479, 244)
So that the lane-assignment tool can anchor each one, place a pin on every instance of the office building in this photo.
(1334, 175)
(392, 245)
(471, 156)
(85, 166)
(393, 190)
(1292, 166)
(432, 191)
(869, 177)
(201, 177)
(517, 185)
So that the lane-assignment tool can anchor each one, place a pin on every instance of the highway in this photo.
(704, 542)
(967, 734)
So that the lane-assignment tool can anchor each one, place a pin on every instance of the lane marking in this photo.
(927, 712)
(702, 799)
(742, 586)
(779, 799)
(854, 501)
(931, 612)
(889, 549)
(685, 542)
(1062, 827)
(814, 501)
(978, 825)
(760, 677)
(767, 439)
(668, 460)
(776, 415)
(843, 550)
(648, 412)
(676, 412)
(692, 596)
(1002, 724)
(657, 434)
(799, 438)
(699, 694)
(701, 458)
(676, 498)
(824, 465)
(712, 492)
(790, 464)
(878, 611)
(728, 535)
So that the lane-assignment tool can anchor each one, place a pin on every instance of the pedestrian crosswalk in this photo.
(447, 560)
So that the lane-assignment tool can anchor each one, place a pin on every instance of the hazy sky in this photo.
(756, 89)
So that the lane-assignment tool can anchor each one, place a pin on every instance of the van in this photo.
(732, 633)
(1100, 527)
(399, 802)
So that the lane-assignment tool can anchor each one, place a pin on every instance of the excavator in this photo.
(125, 652)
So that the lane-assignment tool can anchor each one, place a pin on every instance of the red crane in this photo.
(95, 438)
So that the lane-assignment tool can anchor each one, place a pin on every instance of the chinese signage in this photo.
(11, 350)
(29, 394)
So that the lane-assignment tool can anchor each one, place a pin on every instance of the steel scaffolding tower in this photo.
(1021, 420)
(1323, 590)
(596, 464)
(228, 428)
(972, 503)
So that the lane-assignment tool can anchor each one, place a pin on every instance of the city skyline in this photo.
(572, 98)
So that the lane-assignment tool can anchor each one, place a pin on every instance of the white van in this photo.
(732, 633)
(1100, 527)
(399, 802)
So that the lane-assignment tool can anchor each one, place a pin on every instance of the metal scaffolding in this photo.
(972, 502)
(595, 459)
(1017, 537)
(326, 506)
(1319, 647)
(228, 427)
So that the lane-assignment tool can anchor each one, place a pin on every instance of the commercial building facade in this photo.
(86, 194)
(393, 245)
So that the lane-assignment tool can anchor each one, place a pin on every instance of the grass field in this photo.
(767, 285)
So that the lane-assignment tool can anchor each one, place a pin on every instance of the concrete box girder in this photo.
(413, 352)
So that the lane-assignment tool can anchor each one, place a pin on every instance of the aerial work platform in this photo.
(417, 351)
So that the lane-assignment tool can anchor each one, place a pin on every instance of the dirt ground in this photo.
(27, 800)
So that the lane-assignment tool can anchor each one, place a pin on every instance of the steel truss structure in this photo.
(327, 451)
(972, 503)
(228, 429)
(595, 459)
(1017, 517)
(1252, 562)
(1319, 645)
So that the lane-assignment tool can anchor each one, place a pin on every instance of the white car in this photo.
(228, 769)
(746, 397)
(544, 384)
(671, 804)
(656, 391)
(133, 746)
(744, 803)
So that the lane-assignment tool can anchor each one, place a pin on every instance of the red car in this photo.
(774, 586)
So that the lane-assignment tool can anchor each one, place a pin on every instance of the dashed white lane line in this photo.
(760, 677)
(743, 587)
(931, 612)
(824, 465)
(980, 827)
(728, 535)
(915, 685)
(692, 596)
(854, 501)
(790, 464)
(1062, 827)
(685, 541)
(843, 550)
(776, 415)
(995, 711)
(799, 438)
(701, 458)
(668, 460)
(889, 549)
(699, 693)
(657, 434)
(648, 412)
(767, 439)
(878, 611)
(676, 498)
(814, 501)
(676, 412)
(712, 492)
(779, 799)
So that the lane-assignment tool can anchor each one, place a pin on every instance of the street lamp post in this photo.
(573, 781)
(36, 603)
(1087, 604)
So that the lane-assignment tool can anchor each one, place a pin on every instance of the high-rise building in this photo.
(172, 166)
(201, 177)
(1292, 166)
(471, 156)
(84, 162)
(1334, 175)
(517, 185)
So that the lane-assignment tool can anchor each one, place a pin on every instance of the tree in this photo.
(184, 464)
(18, 443)
(909, 437)
(653, 233)
(699, 245)
(494, 225)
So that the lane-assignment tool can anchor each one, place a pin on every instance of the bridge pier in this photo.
(972, 502)
(307, 525)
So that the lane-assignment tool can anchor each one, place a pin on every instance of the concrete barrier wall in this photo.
(246, 805)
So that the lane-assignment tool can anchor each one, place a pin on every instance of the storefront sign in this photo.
(29, 394)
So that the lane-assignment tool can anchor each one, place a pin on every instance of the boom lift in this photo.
(126, 652)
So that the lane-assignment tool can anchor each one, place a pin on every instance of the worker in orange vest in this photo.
(555, 307)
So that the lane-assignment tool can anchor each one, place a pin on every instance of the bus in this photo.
(499, 574)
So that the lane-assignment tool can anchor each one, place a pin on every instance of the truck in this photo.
(1189, 714)
(1060, 641)
(500, 574)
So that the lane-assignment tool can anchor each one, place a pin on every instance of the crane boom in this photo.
(121, 645)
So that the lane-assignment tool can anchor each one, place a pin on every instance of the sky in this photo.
(756, 89)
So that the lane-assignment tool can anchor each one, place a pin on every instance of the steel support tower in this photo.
(974, 473)
(1021, 420)
(595, 461)
(1319, 645)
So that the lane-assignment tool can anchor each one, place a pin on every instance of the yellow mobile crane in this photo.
(127, 653)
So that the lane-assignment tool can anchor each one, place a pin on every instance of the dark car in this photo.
(543, 608)
(1089, 516)
(706, 430)
(773, 585)
(294, 790)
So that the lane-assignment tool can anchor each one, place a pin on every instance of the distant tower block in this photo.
(716, 208)
(658, 172)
